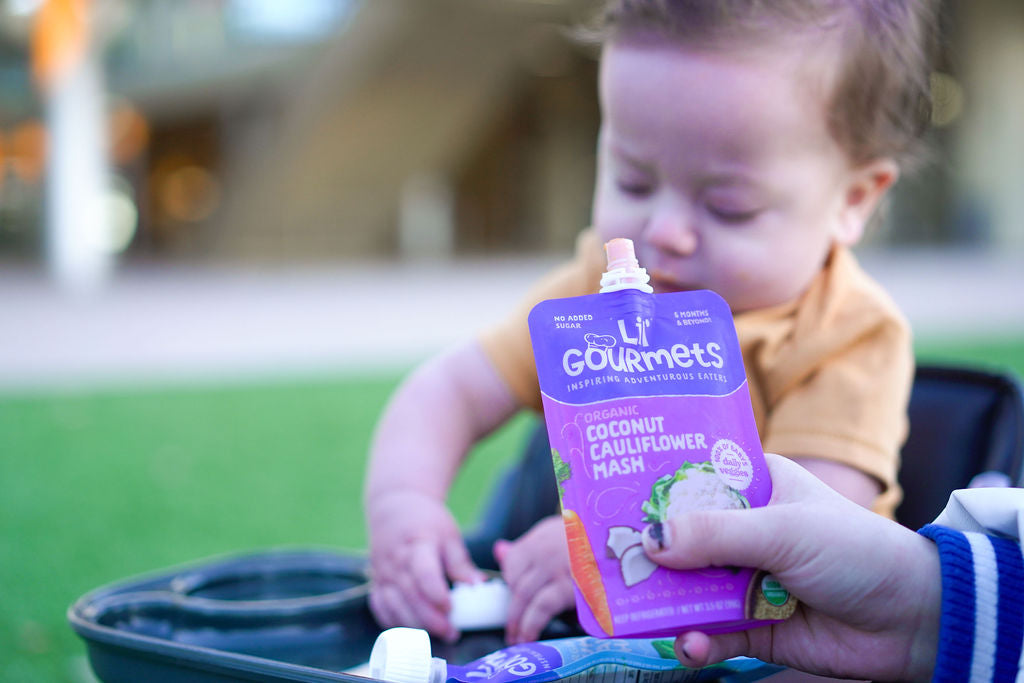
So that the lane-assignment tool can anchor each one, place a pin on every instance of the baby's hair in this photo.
(880, 103)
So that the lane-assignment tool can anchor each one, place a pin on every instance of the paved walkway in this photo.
(185, 324)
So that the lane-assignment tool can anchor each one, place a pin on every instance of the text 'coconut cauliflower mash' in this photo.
(649, 419)
(617, 447)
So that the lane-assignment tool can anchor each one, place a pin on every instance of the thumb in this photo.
(458, 564)
(697, 650)
(759, 537)
(764, 537)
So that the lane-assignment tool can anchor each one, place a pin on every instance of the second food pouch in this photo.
(648, 414)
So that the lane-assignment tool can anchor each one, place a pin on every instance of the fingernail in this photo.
(683, 650)
(658, 534)
(499, 549)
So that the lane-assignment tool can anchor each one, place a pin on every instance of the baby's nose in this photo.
(672, 231)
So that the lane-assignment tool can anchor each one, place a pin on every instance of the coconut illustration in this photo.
(625, 544)
(620, 538)
(636, 566)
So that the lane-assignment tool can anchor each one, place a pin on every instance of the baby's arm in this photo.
(431, 422)
(844, 416)
(852, 483)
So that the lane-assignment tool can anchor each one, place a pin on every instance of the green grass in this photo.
(998, 354)
(98, 487)
(95, 488)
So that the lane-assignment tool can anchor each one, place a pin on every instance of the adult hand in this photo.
(869, 589)
(536, 569)
(415, 547)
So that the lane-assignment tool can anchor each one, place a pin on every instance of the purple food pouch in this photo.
(648, 415)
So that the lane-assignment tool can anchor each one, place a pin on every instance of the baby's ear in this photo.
(867, 185)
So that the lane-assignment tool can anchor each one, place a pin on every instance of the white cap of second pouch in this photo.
(402, 655)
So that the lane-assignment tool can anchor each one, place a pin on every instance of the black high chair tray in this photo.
(276, 615)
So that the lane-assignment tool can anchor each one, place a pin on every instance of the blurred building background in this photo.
(233, 183)
(316, 130)
(258, 130)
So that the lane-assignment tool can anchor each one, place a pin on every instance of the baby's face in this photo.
(720, 169)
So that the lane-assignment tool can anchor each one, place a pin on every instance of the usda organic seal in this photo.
(773, 591)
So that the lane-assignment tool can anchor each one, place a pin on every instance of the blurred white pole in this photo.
(78, 176)
(426, 217)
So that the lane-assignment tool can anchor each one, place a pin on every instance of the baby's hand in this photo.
(536, 569)
(415, 546)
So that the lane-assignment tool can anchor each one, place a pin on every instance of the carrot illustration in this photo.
(584, 569)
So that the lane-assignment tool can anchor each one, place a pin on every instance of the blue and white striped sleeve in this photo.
(982, 624)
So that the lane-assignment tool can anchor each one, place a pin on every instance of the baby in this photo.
(744, 148)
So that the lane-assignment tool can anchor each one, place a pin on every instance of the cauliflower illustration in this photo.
(694, 486)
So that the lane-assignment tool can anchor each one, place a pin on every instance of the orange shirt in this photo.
(829, 373)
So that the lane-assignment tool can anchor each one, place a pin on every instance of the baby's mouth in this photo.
(664, 282)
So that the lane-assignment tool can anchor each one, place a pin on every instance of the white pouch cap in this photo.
(479, 606)
(402, 655)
